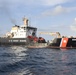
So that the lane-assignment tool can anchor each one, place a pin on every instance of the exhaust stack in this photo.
(25, 20)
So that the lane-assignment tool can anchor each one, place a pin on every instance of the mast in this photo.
(25, 20)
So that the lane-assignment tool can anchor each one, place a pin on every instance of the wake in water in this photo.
(18, 60)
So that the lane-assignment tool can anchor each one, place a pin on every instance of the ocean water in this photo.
(18, 60)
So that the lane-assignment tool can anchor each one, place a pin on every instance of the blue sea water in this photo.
(18, 60)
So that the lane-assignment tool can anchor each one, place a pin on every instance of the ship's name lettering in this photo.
(22, 40)
(17, 40)
(13, 40)
(73, 39)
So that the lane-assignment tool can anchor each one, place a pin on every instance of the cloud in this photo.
(73, 26)
(16, 4)
(53, 2)
(58, 10)
(34, 2)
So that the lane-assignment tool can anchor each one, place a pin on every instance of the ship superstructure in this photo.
(19, 35)
(22, 31)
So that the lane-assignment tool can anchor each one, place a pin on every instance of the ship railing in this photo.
(3, 37)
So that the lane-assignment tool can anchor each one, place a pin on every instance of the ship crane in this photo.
(57, 34)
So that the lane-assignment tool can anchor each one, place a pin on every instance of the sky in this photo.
(46, 15)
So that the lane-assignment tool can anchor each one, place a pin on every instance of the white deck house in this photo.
(23, 31)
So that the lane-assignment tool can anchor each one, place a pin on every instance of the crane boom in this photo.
(52, 33)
